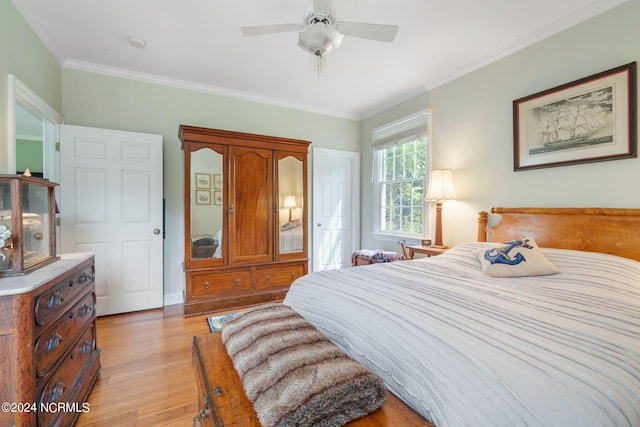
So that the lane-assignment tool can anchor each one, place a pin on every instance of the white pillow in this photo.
(290, 225)
(515, 259)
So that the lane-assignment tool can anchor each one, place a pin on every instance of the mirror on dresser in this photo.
(291, 219)
(206, 207)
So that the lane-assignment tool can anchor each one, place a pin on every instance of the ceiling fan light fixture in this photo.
(137, 42)
(319, 39)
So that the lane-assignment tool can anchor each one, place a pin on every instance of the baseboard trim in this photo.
(171, 299)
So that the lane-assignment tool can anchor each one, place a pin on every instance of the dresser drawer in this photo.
(278, 276)
(65, 380)
(57, 339)
(227, 281)
(56, 300)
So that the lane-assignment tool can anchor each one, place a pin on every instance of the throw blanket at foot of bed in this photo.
(293, 375)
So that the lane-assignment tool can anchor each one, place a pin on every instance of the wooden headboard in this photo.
(607, 230)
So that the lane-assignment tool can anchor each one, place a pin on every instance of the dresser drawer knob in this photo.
(55, 300)
(87, 346)
(86, 309)
(206, 285)
(53, 342)
(268, 278)
(58, 390)
(237, 282)
(84, 278)
(293, 275)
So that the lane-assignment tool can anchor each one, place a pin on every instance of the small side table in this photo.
(426, 250)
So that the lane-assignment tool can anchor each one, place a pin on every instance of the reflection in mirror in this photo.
(206, 204)
(291, 196)
(32, 124)
(29, 147)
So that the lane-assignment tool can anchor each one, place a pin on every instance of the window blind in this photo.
(412, 127)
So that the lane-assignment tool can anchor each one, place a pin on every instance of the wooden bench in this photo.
(222, 401)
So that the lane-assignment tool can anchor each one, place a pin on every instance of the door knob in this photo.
(318, 225)
(156, 231)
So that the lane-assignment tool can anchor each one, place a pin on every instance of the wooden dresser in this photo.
(246, 219)
(222, 401)
(49, 360)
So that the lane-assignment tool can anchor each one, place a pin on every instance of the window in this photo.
(401, 169)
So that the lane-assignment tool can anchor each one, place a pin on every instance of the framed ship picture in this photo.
(592, 119)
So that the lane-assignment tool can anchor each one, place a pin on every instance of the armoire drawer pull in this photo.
(293, 275)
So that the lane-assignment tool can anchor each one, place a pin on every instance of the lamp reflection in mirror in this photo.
(290, 203)
(440, 189)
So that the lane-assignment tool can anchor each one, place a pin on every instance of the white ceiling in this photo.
(197, 44)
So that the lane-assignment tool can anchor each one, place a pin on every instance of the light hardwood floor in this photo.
(147, 378)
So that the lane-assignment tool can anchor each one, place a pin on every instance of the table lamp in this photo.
(440, 189)
(290, 203)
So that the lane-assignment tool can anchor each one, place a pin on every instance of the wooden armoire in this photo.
(245, 220)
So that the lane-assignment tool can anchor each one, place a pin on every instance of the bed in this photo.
(466, 349)
(291, 237)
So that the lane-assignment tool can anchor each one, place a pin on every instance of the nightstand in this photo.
(426, 250)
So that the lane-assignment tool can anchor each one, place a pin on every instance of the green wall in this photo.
(29, 154)
(473, 132)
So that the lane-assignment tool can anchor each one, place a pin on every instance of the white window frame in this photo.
(389, 135)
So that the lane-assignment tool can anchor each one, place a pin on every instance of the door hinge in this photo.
(57, 146)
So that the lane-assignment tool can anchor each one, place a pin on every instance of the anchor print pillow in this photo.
(516, 259)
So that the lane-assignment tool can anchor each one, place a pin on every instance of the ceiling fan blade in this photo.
(379, 32)
(259, 30)
(322, 7)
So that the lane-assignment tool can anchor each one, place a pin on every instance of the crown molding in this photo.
(197, 87)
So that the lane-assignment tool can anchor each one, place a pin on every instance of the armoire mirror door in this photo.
(207, 236)
(292, 215)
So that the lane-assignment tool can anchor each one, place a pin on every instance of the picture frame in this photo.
(217, 197)
(203, 180)
(592, 119)
(203, 197)
(217, 181)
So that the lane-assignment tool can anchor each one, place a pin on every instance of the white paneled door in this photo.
(336, 207)
(111, 205)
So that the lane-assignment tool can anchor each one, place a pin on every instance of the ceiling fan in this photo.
(320, 31)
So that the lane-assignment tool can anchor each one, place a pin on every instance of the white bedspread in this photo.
(291, 240)
(464, 349)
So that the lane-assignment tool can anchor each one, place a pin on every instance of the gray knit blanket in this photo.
(293, 375)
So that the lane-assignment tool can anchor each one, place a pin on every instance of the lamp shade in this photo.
(290, 202)
(441, 185)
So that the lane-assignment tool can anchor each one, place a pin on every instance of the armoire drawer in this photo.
(226, 281)
(56, 300)
(278, 275)
(57, 339)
